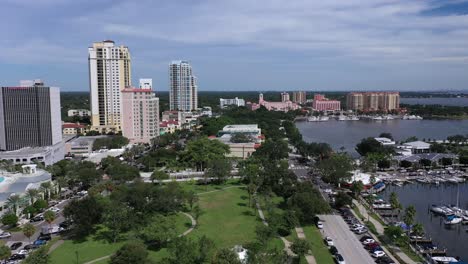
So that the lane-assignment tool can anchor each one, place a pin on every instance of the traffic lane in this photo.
(345, 241)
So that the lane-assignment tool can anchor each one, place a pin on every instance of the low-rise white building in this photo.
(416, 147)
(385, 141)
(227, 102)
(78, 112)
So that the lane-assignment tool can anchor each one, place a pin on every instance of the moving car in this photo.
(339, 259)
(329, 241)
(16, 245)
(5, 235)
(319, 225)
(378, 254)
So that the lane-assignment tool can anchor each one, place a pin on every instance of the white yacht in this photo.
(444, 260)
(324, 118)
(343, 118)
(312, 119)
(354, 118)
(453, 220)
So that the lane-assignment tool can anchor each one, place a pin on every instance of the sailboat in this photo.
(453, 220)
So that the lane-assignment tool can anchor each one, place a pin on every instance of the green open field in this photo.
(226, 219)
(319, 250)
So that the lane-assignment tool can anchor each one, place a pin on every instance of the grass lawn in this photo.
(200, 188)
(93, 248)
(226, 218)
(319, 250)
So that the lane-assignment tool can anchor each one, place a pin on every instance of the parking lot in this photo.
(344, 240)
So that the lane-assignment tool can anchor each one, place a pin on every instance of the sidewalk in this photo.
(380, 230)
(301, 235)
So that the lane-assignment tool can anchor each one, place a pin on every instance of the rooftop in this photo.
(418, 144)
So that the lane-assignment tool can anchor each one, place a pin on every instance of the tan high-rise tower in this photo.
(109, 74)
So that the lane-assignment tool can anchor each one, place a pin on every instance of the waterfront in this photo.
(422, 196)
(348, 133)
(456, 101)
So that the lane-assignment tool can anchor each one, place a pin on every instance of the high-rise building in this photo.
(146, 83)
(321, 103)
(140, 115)
(109, 74)
(285, 97)
(373, 101)
(183, 91)
(299, 97)
(226, 102)
(29, 116)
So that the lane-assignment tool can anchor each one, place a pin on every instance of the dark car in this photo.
(40, 242)
(65, 224)
(333, 250)
(45, 237)
(384, 260)
(371, 246)
(17, 257)
(37, 218)
(16, 245)
(31, 246)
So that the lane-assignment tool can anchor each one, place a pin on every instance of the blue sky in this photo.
(244, 44)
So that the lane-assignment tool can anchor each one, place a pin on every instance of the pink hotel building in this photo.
(140, 114)
(285, 105)
(323, 104)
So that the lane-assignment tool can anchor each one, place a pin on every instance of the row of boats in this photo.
(453, 214)
(342, 117)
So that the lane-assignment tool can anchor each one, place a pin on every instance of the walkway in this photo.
(194, 224)
(301, 235)
(287, 243)
(380, 230)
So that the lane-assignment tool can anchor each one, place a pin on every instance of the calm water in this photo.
(453, 238)
(348, 133)
(439, 101)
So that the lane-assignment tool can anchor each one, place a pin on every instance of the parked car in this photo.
(17, 257)
(361, 231)
(37, 218)
(40, 242)
(23, 252)
(319, 225)
(16, 245)
(364, 238)
(45, 237)
(54, 209)
(31, 247)
(339, 259)
(378, 254)
(368, 241)
(384, 260)
(372, 246)
(333, 250)
(329, 241)
(5, 235)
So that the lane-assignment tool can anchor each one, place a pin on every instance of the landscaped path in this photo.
(301, 235)
(380, 230)
(194, 223)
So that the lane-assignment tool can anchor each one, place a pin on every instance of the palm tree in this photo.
(61, 182)
(29, 230)
(32, 194)
(46, 187)
(49, 216)
(13, 202)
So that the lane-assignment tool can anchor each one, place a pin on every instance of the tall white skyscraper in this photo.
(183, 93)
(109, 74)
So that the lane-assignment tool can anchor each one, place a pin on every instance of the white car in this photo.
(368, 241)
(378, 254)
(54, 209)
(319, 225)
(23, 252)
(329, 241)
(5, 235)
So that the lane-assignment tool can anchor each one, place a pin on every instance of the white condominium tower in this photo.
(183, 94)
(109, 74)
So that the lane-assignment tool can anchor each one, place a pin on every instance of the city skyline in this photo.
(357, 45)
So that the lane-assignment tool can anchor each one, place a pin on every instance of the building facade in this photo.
(29, 116)
(283, 106)
(183, 90)
(146, 83)
(140, 116)
(109, 74)
(223, 103)
(323, 104)
(78, 112)
(299, 97)
(373, 101)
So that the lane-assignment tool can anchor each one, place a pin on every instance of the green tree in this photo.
(40, 204)
(406, 164)
(370, 145)
(251, 190)
(29, 230)
(446, 161)
(393, 232)
(38, 256)
(85, 213)
(219, 169)
(395, 203)
(159, 176)
(425, 162)
(49, 217)
(272, 150)
(463, 160)
(300, 247)
(203, 150)
(386, 135)
(264, 233)
(206, 249)
(10, 219)
(13, 202)
(159, 231)
(343, 199)
(130, 252)
(116, 218)
(438, 148)
(5, 252)
(336, 169)
(192, 198)
(225, 256)
(357, 188)
(46, 188)
(32, 194)
(197, 211)
(418, 229)
(182, 251)
(410, 215)
(383, 164)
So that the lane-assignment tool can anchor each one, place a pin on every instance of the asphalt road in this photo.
(345, 241)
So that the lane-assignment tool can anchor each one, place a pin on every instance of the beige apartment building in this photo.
(109, 74)
(373, 101)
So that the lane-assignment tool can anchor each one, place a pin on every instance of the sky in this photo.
(244, 44)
